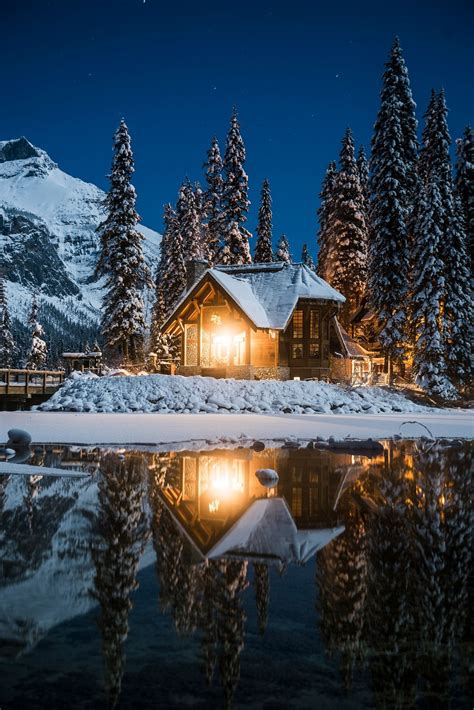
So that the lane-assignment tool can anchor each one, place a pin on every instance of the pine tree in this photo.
(235, 201)
(349, 231)
(263, 249)
(7, 344)
(38, 350)
(325, 233)
(213, 200)
(170, 282)
(188, 214)
(123, 319)
(429, 361)
(392, 191)
(283, 250)
(307, 259)
(363, 170)
(465, 185)
(456, 299)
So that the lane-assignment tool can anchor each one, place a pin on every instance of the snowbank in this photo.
(173, 394)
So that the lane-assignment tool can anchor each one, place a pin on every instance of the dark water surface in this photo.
(178, 579)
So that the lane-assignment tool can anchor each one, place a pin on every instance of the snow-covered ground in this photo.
(175, 431)
(174, 394)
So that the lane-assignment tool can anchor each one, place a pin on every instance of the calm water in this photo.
(166, 580)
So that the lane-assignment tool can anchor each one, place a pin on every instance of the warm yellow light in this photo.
(214, 505)
(225, 480)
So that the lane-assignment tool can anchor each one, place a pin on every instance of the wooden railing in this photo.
(30, 382)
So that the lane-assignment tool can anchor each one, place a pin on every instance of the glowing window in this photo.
(314, 324)
(298, 324)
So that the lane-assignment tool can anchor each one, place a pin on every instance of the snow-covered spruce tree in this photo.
(349, 232)
(465, 185)
(213, 200)
(325, 233)
(263, 249)
(122, 538)
(188, 215)
(392, 187)
(123, 319)
(456, 297)
(38, 353)
(283, 250)
(235, 201)
(307, 259)
(7, 344)
(429, 363)
(363, 170)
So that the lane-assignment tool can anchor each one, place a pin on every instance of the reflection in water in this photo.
(392, 537)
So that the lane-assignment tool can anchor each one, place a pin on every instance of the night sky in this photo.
(298, 73)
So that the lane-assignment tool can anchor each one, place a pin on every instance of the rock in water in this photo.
(267, 477)
(18, 439)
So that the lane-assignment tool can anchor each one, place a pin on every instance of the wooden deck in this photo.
(24, 388)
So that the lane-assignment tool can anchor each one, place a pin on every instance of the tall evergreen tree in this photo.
(392, 190)
(38, 353)
(235, 201)
(363, 170)
(349, 231)
(325, 233)
(306, 258)
(7, 344)
(455, 299)
(465, 185)
(213, 200)
(263, 249)
(427, 290)
(283, 250)
(123, 320)
(189, 215)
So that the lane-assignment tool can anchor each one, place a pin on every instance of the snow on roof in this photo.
(268, 293)
(350, 347)
(78, 355)
(267, 528)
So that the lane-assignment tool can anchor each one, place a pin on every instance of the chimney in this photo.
(195, 268)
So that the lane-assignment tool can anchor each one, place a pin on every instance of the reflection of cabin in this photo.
(255, 321)
(83, 362)
(217, 500)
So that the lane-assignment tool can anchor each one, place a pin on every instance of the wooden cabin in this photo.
(256, 321)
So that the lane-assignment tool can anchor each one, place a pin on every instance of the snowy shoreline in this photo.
(179, 430)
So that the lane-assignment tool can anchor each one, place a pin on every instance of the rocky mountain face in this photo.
(49, 245)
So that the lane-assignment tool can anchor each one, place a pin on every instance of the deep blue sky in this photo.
(298, 72)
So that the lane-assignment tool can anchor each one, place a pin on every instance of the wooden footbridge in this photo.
(20, 389)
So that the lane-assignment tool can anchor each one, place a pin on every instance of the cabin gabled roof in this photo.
(267, 293)
(350, 347)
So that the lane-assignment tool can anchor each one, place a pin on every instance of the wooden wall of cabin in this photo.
(304, 345)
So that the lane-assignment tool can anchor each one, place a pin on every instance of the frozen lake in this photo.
(175, 578)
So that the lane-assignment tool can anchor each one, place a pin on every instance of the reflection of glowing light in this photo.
(214, 505)
(225, 479)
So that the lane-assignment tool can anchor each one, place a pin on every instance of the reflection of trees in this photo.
(203, 596)
(31, 492)
(122, 538)
(341, 576)
(262, 593)
(418, 553)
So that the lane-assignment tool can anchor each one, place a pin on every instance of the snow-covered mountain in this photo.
(48, 240)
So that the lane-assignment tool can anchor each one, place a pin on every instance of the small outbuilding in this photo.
(83, 362)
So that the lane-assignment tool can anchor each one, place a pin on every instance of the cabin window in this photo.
(297, 351)
(314, 324)
(298, 324)
(314, 350)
